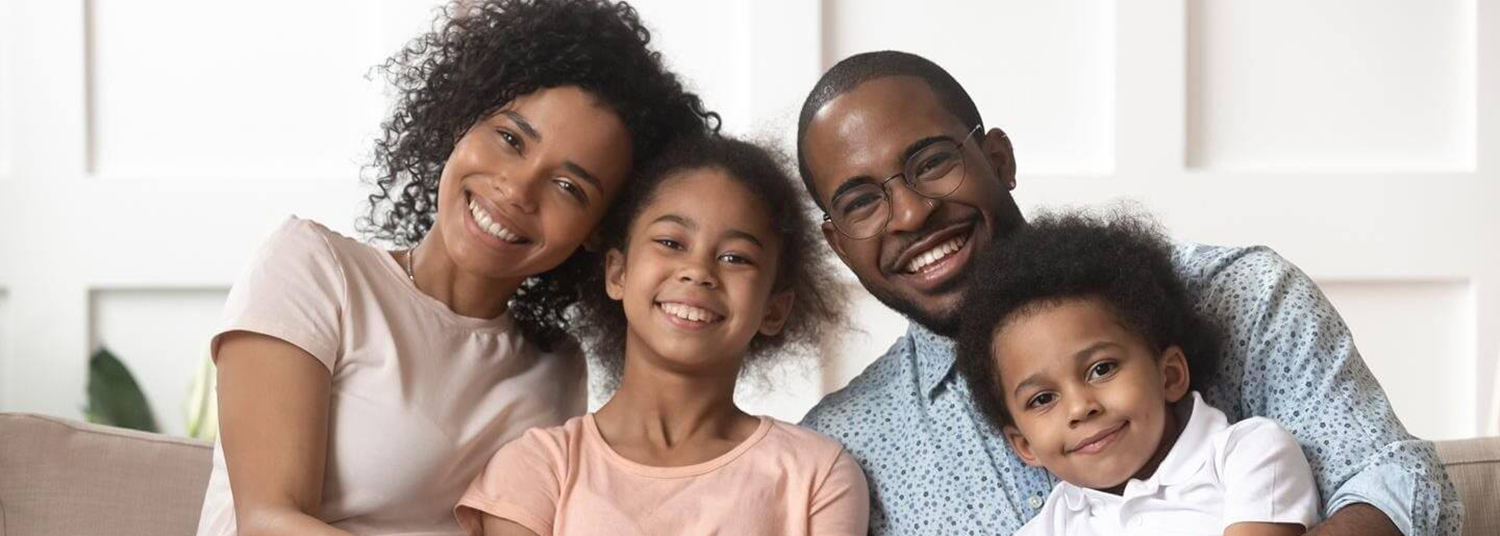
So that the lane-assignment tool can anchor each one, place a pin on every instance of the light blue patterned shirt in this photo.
(934, 468)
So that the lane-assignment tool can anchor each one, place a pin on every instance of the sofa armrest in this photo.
(1474, 467)
(65, 477)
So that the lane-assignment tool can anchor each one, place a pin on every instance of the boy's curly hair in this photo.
(478, 58)
(819, 301)
(1125, 261)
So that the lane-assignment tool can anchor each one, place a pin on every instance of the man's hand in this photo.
(1358, 519)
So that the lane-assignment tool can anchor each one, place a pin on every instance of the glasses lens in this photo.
(861, 211)
(936, 170)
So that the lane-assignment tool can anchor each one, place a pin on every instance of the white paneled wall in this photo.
(146, 148)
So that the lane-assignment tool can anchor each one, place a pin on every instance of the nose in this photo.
(1083, 407)
(909, 210)
(517, 190)
(696, 271)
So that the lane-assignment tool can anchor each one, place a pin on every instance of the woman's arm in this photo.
(494, 526)
(273, 422)
(1265, 529)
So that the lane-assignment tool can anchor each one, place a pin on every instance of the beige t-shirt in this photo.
(421, 397)
(563, 481)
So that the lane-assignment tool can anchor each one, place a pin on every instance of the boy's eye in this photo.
(1102, 369)
(1041, 399)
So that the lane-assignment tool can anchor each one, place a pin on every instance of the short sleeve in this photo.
(1266, 477)
(522, 483)
(293, 290)
(841, 505)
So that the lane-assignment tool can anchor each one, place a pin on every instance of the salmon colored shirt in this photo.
(784, 480)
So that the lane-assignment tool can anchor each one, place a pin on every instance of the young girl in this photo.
(360, 390)
(1082, 351)
(709, 265)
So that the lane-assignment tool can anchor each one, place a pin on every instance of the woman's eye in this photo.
(1040, 399)
(1102, 369)
(510, 139)
(572, 189)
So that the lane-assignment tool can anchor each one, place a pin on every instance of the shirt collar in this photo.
(934, 357)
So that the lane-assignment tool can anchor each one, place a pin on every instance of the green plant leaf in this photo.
(115, 398)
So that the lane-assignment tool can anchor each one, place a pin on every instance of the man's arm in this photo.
(1288, 356)
(1359, 518)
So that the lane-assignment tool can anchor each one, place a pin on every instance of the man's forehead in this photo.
(875, 118)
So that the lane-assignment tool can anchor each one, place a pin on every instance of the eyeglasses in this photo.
(862, 211)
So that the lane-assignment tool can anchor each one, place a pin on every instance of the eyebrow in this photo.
(692, 226)
(583, 174)
(1036, 378)
(523, 124)
(906, 154)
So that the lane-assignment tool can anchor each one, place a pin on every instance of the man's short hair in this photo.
(860, 68)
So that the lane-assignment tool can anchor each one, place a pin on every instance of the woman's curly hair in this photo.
(819, 302)
(478, 58)
(1123, 260)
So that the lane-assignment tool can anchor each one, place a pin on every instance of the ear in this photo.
(1175, 376)
(614, 274)
(1020, 445)
(778, 309)
(832, 236)
(1001, 155)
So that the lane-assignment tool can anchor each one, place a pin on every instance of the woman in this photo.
(360, 390)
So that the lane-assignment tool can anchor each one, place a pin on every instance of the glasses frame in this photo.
(885, 188)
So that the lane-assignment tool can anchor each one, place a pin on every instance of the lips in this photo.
(1101, 440)
(494, 223)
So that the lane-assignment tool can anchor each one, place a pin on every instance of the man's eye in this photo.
(1102, 369)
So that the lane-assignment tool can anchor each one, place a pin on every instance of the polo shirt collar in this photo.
(933, 354)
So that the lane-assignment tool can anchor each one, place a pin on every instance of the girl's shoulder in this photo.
(803, 442)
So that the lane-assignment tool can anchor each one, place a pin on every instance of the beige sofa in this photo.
(60, 477)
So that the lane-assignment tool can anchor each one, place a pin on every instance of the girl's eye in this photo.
(668, 243)
(572, 189)
(735, 258)
(1041, 399)
(1102, 369)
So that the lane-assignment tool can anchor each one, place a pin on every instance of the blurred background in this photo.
(147, 148)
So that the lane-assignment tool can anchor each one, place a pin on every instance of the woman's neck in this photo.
(434, 273)
(664, 417)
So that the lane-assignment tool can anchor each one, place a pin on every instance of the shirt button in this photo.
(1035, 501)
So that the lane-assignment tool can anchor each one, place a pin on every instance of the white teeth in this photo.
(483, 219)
(688, 312)
(937, 253)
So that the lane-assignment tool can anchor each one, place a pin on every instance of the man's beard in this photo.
(945, 323)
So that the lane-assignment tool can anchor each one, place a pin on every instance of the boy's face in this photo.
(1088, 398)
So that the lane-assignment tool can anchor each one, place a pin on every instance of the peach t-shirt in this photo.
(420, 396)
(784, 479)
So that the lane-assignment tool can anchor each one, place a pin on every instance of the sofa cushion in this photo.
(65, 477)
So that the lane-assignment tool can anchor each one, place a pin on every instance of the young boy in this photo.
(1081, 346)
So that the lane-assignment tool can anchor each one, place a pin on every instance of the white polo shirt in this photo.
(1216, 475)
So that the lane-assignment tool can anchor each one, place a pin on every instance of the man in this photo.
(879, 140)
